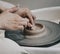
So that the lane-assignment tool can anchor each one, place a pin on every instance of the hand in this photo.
(12, 21)
(23, 12)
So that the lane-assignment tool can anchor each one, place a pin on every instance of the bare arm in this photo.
(23, 12)
(5, 5)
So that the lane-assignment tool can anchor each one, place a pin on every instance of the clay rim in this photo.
(30, 32)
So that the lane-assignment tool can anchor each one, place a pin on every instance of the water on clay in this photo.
(49, 37)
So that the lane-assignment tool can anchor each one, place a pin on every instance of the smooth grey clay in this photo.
(48, 36)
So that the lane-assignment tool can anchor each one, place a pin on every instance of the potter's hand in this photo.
(12, 21)
(23, 12)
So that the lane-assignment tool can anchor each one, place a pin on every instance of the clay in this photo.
(38, 28)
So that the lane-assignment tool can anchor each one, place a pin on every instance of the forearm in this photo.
(5, 5)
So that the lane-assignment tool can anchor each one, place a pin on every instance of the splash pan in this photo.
(50, 35)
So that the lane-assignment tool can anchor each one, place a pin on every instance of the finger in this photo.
(14, 27)
(18, 27)
(23, 23)
(29, 25)
(20, 19)
(23, 19)
(30, 18)
(21, 27)
(12, 10)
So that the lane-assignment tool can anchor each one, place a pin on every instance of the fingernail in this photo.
(29, 25)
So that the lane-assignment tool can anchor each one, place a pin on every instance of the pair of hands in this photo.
(16, 18)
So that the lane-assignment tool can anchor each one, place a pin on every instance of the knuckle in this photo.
(26, 9)
(27, 19)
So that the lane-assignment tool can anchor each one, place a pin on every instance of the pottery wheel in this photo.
(49, 36)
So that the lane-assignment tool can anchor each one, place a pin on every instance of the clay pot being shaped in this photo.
(37, 29)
